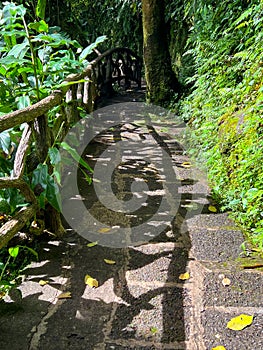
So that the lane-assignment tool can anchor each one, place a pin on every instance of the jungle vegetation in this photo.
(224, 104)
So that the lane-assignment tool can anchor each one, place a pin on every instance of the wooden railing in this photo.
(113, 66)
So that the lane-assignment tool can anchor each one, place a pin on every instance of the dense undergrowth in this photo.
(34, 60)
(225, 106)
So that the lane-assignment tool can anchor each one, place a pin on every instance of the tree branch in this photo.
(30, 113)
(10, 228)
(19, 163)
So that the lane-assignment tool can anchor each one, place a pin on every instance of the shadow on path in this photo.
(140, 303)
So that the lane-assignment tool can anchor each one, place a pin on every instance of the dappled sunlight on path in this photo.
(157, 252)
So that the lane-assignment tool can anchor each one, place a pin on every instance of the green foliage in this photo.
(10, 198)
(225, 105)
(34, 59)
(47, 187)
(41, 8)
(75, 156)
(119, 20)
(12, 262)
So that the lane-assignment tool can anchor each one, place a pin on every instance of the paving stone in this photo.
(162, 267)
(216, 333)
(159, 309)
(213, 220)
(215, 245)
(245, 289)
(76, 325)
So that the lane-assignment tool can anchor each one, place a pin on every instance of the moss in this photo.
(225, 109)
(227, 132)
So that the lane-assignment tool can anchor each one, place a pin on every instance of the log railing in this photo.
(113, 66)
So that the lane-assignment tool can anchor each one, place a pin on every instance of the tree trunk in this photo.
(161, 81)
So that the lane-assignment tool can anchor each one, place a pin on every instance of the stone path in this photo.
(141, 301)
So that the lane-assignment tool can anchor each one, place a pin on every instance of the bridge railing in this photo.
(78, 90)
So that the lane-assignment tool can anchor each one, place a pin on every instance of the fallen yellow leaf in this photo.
(186, 164)
(240, 322)
(226, 282)
(110, 262)
(90, 281)
(220, 347)
(212, 208)
(154, 330)
(184, 276)
(42, 282)
(104, 229)
(255, 266)
(92, 244)
(65, 295)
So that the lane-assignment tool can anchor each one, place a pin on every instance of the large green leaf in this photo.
(54, 39)
(23, 102)
(40, 175)
(54, 155)
(88, 50)
(15, 199)
(50, 190)
(74, 154)
(2, 71)
(13, 251)
(11, 10)
(52, 194)
(19, 50)
(41, 8)
(44, 54)
(12, 61)
(40, 26)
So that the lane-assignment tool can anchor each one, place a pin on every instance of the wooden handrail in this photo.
(30, 113)
(99, 74)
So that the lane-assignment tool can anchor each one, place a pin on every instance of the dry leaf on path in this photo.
(65, 295)
(92, 244)
(255, 266)
(226, 282)
(109, 262)
(186, 164)
(42, 282)
(220, 347)
(184, 276)
(240, 322)
(104, 230)
(90, 281)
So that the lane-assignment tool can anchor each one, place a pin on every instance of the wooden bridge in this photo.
(80, 91)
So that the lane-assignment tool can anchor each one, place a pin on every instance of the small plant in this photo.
(11, 266)
(35, 58)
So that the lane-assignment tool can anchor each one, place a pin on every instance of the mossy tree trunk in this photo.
(160, 78)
